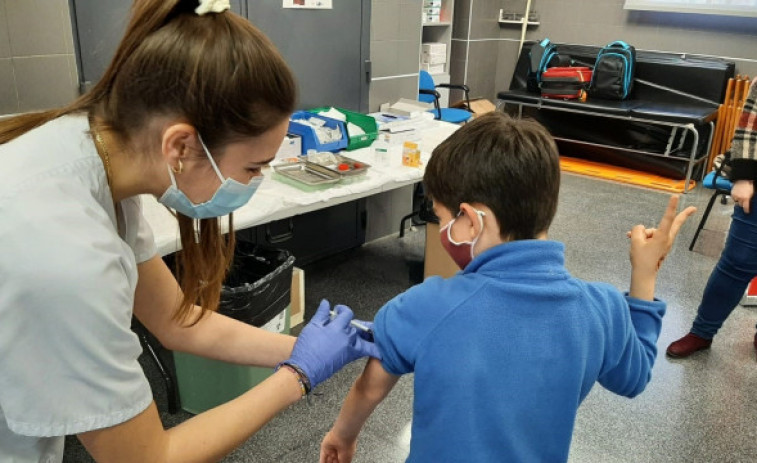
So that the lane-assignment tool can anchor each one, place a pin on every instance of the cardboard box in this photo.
(432, 3)
(432, 10)
(437, 261)
(406, 107)
(434, 47)
(411, 155)
(431, 18)
(297, 304)
(433, 68)
(206, 383)
(479, 106)
(433, 58)
(291, 147)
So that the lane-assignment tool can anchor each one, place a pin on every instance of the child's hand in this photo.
(337, 450)
(650, 246)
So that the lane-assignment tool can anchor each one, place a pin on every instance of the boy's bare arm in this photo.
(367, 392)
(371, 387)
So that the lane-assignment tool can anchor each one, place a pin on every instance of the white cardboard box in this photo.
(291, 147)
(431, 18)
(434, 47)
(435, 11)
(406, 107)
(433, 58)
(433, 68)
(432, 3)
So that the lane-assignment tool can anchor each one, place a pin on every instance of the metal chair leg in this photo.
(405, 219)
(704, 218)
(417, 194)
(172, 392)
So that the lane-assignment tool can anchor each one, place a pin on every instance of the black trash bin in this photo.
(256, 291)
(258, 285)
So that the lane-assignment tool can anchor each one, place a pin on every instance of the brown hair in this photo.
(220, 74)
(510, 165)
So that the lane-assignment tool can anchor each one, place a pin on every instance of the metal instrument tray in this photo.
(307, 173)
(354, 167)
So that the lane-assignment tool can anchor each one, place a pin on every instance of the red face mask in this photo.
(461, 252)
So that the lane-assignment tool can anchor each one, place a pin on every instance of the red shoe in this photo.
(689, 344)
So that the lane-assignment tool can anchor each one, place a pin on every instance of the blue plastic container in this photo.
(365, 122)
(309, 139)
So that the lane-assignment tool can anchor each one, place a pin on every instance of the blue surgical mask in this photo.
(231, 195)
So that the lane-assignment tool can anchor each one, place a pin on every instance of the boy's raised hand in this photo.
(650, 246)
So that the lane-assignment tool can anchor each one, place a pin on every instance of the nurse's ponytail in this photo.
(220, 74)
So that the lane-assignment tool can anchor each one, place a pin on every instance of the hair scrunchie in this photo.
(212, 6)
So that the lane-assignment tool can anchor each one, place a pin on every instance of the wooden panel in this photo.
(437, 261)
(297, 307)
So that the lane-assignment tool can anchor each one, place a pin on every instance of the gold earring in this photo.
(178, 171)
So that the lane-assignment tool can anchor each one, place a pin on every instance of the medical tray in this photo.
(345, 166)
(308, 173)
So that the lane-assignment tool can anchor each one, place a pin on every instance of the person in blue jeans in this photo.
(505, 351)
(738, 261)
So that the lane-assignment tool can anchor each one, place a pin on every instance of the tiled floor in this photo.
(697, 410)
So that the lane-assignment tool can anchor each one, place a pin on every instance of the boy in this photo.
(505, 351)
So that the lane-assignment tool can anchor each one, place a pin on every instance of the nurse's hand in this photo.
(326, 345)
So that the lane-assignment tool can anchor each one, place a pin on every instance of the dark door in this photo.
(328, 50)
(98, 28)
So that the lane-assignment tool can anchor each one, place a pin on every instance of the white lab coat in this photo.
(68, 358)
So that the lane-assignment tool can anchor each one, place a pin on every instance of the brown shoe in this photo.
(689, 344)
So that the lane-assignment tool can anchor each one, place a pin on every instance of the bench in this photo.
(665, 127)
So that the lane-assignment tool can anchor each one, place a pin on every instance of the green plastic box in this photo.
(204, 383)
(365, 122)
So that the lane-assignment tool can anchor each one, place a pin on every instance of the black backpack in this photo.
(539, 58)
(613, 72)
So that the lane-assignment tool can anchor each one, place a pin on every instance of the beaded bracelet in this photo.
(302, 378)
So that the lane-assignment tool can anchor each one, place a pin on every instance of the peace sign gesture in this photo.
(650, 246)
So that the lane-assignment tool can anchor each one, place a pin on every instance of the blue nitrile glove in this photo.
(324, 346)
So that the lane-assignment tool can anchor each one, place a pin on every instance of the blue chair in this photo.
(427, 93)
(722, 186)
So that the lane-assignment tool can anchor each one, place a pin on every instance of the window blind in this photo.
(718, 7)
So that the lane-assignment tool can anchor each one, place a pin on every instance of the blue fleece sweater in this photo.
(505, 351)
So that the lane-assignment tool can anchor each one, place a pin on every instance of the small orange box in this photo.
(411, 155)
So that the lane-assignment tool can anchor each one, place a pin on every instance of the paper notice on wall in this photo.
(310, 4)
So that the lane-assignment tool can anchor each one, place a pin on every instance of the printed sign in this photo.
(310, 4)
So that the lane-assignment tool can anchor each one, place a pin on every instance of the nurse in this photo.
(195, 102)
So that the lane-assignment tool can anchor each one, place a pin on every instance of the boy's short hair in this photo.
(510, 165)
